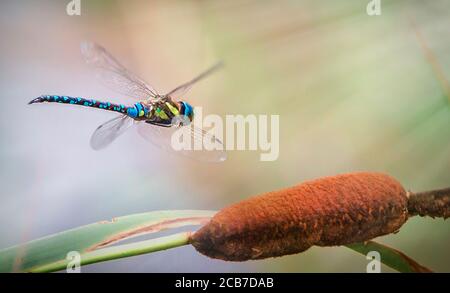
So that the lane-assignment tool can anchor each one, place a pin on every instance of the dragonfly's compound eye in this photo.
(187, 110)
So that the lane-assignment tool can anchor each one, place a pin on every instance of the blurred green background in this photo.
(354, 92)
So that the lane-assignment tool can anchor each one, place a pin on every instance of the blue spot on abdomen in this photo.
(132, 112)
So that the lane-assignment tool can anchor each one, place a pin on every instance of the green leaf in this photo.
(49, 251)
(391, 257)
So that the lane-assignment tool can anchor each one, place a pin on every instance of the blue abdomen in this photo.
(82, 102)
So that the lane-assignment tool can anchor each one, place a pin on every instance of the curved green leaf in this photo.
(85, 239)
(391, 257)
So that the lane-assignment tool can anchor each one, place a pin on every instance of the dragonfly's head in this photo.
(187, 110)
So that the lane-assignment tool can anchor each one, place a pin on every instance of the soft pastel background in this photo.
(353, 92)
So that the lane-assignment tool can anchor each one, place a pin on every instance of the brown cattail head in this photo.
(330, 211)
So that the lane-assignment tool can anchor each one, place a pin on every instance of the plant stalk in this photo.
(434, 203)
(120, 251)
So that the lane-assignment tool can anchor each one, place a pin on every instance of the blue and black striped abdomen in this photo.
(82, 102)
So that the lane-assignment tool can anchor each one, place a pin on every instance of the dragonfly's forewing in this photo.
(162, 138)
(179, 91)
(114, 74)
(109, 131)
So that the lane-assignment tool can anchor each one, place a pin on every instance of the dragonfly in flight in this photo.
(156, 116)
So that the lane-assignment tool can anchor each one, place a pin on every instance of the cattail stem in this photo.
(434, 203)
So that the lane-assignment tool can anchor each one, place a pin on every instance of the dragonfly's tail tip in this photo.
(36, 100)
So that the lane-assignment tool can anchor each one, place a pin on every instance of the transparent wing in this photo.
(185, 87)
(109, 131)
(162, 138)
(114, 74)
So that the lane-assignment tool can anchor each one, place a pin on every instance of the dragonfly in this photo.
(157, 116)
